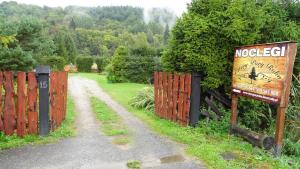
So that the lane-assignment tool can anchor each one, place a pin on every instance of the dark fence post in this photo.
(195, 99)
(43, 73)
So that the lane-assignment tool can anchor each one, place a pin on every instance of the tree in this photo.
(203, 40)
(166, 34)
(65, 46)
(72, 25)
(15, 59)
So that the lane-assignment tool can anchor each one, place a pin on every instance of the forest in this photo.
(56, 36)
(129, 46)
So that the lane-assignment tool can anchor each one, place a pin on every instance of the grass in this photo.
(67, 129)
(205, 142)
(111, 122)
(134, 164)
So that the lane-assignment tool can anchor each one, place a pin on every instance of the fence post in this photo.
(195, 99)
(43, 73)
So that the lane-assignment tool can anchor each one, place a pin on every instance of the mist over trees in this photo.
(45, 33)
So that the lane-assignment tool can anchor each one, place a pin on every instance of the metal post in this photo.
(43, 73)
(195, 99)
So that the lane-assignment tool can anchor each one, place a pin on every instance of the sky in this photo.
(178, 6)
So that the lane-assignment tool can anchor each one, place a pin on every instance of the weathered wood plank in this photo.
(175, 96)
(32, 104)
(181, 98)
(53, 111)
(165, 94)
(213, 107)
(156, 92)
(170, 96)
(60, 96)
(160, 88)
(225, 101)
(9, 107)
(65, 86)
(21, 104)
(1, 103)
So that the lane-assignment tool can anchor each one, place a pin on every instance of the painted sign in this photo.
(260, 71)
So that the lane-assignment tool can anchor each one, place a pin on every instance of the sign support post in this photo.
(279, 130)
(234, 111)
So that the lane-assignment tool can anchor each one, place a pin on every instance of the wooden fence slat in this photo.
(60, 97)
(57, 97)
(188, 83)
(52, 100)
(9, 107)
(165, 93)
(170, 96)
(175, 96)
(156, 92)
(32, 104)
(160, 95)
(21, 104)
(1, 102)
(65, 92)
(55, 100)
(181, 98)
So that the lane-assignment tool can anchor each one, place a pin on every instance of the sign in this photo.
(260, 71)
(264, 72)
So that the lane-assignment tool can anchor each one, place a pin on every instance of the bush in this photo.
(136, 65)
(144, 99)
(101, 62)
(15, 59)
(205, 37)
(55, 62)
(84, 63)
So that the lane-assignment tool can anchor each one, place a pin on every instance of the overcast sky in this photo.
(178, 6)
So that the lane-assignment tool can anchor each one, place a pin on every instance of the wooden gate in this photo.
(19, 104)
(172, 96)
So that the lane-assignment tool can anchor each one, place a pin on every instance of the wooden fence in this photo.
(19, 110)
(172, 96)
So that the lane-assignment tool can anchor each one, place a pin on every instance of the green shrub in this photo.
(203, 40)
(55, 62)
(84, 63)
(292, 126)
(144, 99)
(101, 62)
(15, 59)
(136, 65)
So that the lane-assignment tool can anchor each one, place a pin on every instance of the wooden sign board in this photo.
(264, 72)
(260, 71)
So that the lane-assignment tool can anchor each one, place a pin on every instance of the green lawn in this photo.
(67, 129)
(111, 122)
(205, 142)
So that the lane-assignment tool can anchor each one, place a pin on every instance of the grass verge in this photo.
(67, 129)
(206, 142)
(111, 122)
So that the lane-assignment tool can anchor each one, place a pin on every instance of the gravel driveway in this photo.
(92, 149)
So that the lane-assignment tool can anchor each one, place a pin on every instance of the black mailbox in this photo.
(43, 73)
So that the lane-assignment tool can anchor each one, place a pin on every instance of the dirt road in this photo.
(92, 149)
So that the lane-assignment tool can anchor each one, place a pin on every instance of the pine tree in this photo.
(72, 25)
(166, 34)
(253, 75)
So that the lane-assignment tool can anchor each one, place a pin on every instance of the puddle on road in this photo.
(228, 156)
(172, 159)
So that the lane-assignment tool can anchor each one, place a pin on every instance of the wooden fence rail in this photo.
(172, 96)
(18, 110)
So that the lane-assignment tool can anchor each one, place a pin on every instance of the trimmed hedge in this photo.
(55, 62)
(102, 62)
(84, 63)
